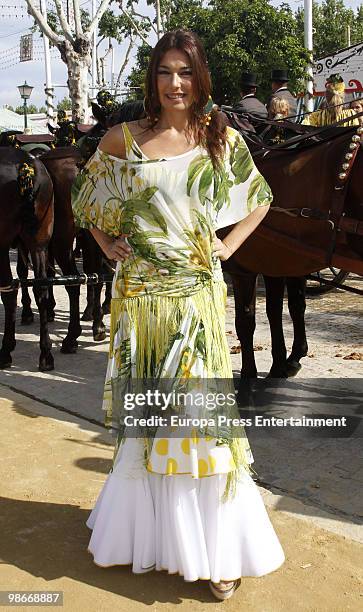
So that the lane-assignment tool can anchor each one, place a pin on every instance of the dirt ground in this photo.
(56, 454)
(51, 472)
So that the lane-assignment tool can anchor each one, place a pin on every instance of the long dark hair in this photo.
(213, 136)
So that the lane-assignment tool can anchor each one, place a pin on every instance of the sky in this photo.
(15, 22)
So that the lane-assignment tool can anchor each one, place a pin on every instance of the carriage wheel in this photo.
(336, 276)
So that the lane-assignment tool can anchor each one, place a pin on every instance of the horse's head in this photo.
(9, 138)
(128, 111)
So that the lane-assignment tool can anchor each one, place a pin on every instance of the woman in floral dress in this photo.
(153, 195)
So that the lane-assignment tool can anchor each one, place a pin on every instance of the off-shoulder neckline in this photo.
(156, 159)
(146, 159)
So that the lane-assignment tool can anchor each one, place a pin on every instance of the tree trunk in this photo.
(78, 61)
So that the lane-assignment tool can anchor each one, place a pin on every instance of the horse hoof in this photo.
(293, 367)
(27, 319)
(277, 373)
(69, 348)
(5, 361)
(99, 335)
(87, 315)
(46, 364)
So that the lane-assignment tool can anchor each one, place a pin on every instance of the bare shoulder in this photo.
(113, 142)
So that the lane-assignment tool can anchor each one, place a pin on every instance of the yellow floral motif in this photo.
(187, 362)
(186, 446)
(162, 446)
(212, 463)
(171, 467)
(202, 468)
(194, 436)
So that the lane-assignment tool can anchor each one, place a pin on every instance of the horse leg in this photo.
(92, 262)
(9, 299)
(51, 301)
(27, 316)
(66, 262)
(274, 306)
(244, 289)
(106, 306)
(88, 311)
(40, 263)
(296, 291)
(98, 328)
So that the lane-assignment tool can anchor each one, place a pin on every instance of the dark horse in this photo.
(27, 218)
(316, 220)
(60, 248)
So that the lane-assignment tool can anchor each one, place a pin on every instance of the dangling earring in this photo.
(207, 112)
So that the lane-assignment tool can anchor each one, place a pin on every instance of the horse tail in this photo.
(26, 176)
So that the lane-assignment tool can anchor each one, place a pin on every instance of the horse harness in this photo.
(335, 216)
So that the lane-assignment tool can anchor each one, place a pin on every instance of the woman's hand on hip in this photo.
(117, 248)
(221, 249)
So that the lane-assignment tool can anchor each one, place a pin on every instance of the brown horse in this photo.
(61, 164)
(316, 220)
(26, 218)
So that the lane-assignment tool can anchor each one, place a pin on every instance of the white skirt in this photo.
(179, 524)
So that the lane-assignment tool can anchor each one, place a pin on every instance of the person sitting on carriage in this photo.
(249, 103)
(333, 108)
(279, 111)
(279, 81)
(356, 105)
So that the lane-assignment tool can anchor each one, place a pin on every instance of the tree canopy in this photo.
(330, 21)
(238, 35)
(253, 35)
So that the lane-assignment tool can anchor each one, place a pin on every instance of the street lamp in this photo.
(25, 93)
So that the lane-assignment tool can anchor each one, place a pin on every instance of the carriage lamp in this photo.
(25, 93)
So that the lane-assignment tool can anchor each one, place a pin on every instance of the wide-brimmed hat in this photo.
(279, 75)
(248, 79)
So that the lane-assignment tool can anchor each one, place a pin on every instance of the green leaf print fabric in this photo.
(168, 306)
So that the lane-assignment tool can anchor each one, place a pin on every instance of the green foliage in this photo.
(119, 26)
(31, 108)
(330, 20)
(114, 26)
(53, 21)
(64, 105)
(85, 19)
(238, 35)
(138, 73)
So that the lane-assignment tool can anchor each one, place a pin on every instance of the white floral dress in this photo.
(167, 316)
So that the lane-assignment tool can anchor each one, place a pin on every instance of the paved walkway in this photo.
(327, 472)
